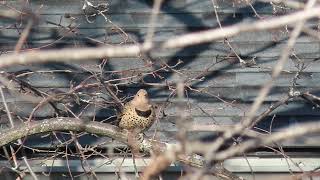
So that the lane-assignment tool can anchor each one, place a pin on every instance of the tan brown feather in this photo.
(136, 115)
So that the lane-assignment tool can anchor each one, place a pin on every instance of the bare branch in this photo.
(70, 54)
(152, 21)
(81, 54)
(247, 121)
(283, 134)
(211, 35)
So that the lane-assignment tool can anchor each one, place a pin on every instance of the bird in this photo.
(138, 115)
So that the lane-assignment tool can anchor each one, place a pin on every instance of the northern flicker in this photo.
(138, 114)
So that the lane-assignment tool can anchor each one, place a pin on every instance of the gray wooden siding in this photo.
(225, 78)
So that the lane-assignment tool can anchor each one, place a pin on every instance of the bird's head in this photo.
(141, 100)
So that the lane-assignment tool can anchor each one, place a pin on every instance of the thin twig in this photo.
(23, 36)
(228, 43)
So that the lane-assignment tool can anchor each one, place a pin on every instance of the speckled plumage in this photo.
(138, 115)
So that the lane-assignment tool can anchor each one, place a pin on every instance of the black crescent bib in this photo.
(145, 114)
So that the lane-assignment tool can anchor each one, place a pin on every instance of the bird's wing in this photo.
(123, 110)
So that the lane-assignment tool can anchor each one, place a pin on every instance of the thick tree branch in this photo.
(104, 129)
(61, 124)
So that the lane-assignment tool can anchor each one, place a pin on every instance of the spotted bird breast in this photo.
(134, 119)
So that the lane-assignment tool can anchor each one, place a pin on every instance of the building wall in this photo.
(61, 24)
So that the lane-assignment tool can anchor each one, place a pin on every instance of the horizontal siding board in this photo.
(141, 20)
(248, 49)
(212, 80)
(102, 142)
(110, 35)
(168, 123)
(203, 108)
(251, 49)
(238, 94)
(239, 109)
(212, 64)
(129, 6)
